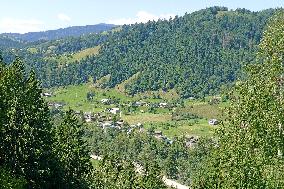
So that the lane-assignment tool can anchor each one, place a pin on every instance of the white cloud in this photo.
(63, 17)
(141, 16)
(20, 25)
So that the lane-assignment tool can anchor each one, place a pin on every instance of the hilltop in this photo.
(73, 31)
(196, 55)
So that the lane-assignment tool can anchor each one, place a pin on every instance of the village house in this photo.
(114, 110)
(88, 117)
(163, 105)
(105, 101)
(77, 112)
(46, 94)
(140, 103)
(106, 124)
(213, 122)
(50, 104)
(58, 105)
(120, 123)
(191, 141)
(158, 134)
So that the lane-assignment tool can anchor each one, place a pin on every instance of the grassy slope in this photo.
(86, 52)
(71, 58)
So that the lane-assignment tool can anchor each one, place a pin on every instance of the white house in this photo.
(163, 104)
(46, 94)
(213, 122)
(114, 110)
(105, 101)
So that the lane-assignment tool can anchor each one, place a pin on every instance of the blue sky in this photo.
(38, 15)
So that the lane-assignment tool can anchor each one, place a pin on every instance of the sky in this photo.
(21, 16)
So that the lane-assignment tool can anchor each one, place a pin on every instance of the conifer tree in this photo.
(25, 128)
(251, 140)
(72, 151)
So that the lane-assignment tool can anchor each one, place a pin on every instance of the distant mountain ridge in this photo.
(73, 31)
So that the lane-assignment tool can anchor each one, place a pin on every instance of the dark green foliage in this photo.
(31, 151)
(8, 181)
(197, 54)
(72, 152)
(113, 172)
(251, 140)
(25, 128)
(158, 157)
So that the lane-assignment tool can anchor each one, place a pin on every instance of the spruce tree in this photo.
(25, 128)
(251, 141)
(72, 151)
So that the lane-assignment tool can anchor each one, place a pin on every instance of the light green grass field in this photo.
(186, 128)
(86, 52)
(75, 97)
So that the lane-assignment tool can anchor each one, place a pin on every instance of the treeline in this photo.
(196, 54)
(73, 31)
(38, 150)
(175, 159)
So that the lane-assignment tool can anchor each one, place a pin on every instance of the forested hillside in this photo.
(73, 31)
(45, 144)
(196, 54)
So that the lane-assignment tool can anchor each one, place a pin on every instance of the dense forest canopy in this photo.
(251, 139)
(196, 54)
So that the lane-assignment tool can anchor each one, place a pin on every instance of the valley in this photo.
(194, 100)
(158, 112)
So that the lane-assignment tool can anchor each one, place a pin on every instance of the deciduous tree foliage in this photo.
(251, 140)
(114, 172)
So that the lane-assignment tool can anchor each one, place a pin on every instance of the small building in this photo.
(191, 141)
(114, 110)
(77, 112)
(163, 104)
(106, 124)
(105, 101)
(139, 125)
(140, 103)
(158, 134)
(213, 122)
(88, 117)
(46, 94)
(58, 105)
(50, 104)
(120, 122)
